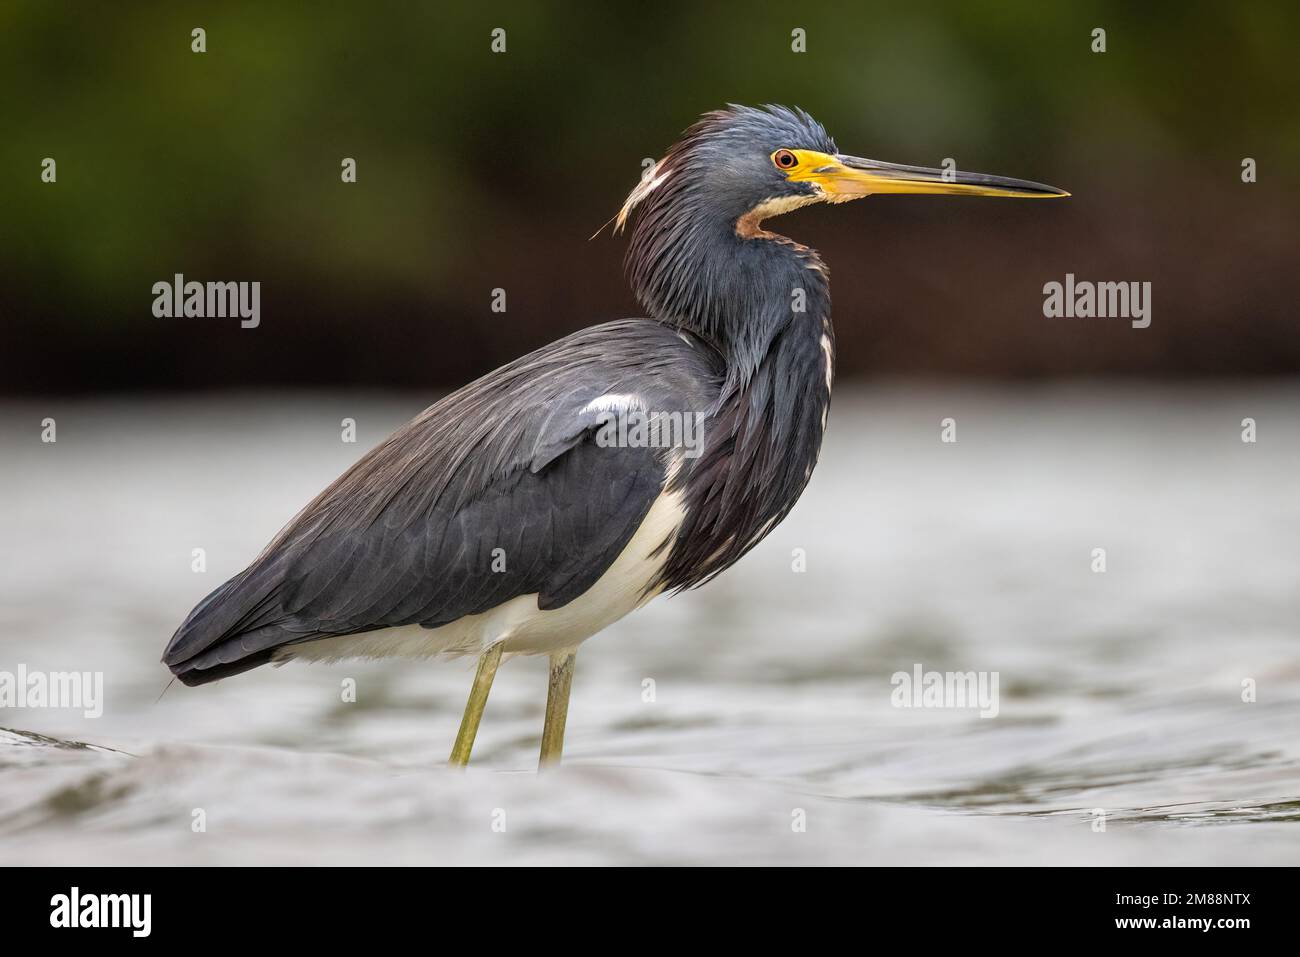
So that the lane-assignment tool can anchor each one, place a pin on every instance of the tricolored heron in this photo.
(498, 522)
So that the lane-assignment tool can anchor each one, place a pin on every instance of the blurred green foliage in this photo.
(226, 164)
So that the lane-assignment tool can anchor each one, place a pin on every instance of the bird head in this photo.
(741, 165)
(699, 257)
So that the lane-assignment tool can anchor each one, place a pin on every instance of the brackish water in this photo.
(1120, 693)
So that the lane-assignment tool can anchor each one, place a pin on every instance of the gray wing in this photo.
(408, 534)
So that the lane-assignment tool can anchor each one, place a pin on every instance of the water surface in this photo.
(1120, 692)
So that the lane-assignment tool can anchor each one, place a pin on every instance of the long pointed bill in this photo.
(842, 178)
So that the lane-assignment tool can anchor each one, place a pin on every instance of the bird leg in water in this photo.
(557, 708)
(478, 695)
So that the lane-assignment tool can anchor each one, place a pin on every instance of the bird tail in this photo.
(222, 635)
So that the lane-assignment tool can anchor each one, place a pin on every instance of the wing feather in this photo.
(408, 534)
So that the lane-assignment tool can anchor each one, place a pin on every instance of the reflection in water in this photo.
(701, 724)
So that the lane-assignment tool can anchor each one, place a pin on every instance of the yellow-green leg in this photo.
(557, 708)
(478, 695)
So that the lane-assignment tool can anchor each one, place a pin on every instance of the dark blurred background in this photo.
(479, 170)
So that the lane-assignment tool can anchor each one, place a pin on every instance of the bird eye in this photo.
(784, 159)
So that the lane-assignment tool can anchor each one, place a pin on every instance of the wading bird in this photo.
(501, 521)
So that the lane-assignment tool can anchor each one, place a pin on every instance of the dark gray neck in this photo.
(764, 304)
(739, 292)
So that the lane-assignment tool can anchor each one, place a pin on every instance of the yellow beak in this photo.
(842, 178)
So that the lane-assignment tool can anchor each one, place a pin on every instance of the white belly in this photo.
(525, 629)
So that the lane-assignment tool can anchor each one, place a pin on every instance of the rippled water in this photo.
(1119, 691)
